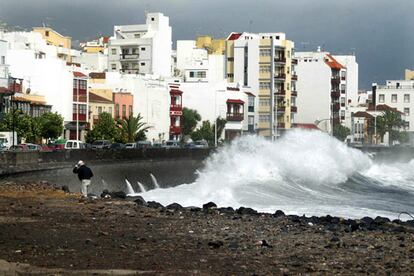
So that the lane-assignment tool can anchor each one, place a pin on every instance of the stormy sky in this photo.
(379, 32)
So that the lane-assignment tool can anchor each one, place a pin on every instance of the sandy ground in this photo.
(46, 231)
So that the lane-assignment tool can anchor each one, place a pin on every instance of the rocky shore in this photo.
(46, 230)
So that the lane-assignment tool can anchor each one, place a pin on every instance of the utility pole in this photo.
(77, 108)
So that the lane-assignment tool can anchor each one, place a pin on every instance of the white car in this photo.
(74, 144)
(131, 145)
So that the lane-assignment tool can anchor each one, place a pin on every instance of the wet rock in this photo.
(93, 196)
(140, 201)
(215, 244)
(65, 188)
(294, 218)
(174, 206)
(105, 193)
(246, 211)
(381, 220)
(119, 194)
(226, 210)
(279, 213)
(264, 243)
(88, 241)
(154, 204)
(195, 209)
(209, 205)
(352, 225)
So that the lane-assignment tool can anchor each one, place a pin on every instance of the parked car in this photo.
(201, 144)
(74, 144)
(171, 144)
(117, 146)
(131, 145)
(101, 144)
(19, 147)
(144, 144)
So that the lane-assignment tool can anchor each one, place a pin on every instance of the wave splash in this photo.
(305, 172)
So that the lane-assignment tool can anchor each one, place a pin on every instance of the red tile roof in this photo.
(333, 63)
(96, 98)
(97, 75)
(306, 126)
(383, 107)
(234, 36)
(250, 94)
(4, 90)
(362, 114)
(79, 74)
(236, 101)
(176, 91)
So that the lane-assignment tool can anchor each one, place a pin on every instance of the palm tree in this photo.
(132, 129)
(390, 122)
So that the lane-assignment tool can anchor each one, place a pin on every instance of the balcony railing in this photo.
(81, 118)
(294, 109)
(234, 117)
(280, 76)
(295, 77)
(343, 91)
(280, 109)
(280, 125)
(335, 94)
(175, 129)
(176, 107)
(280, 59)
(80, 98)
(280, 92)
(294, 93)
(335, 79)
(130, 71)
(336, 107)
(129, 56)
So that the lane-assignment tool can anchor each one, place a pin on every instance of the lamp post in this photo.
(215, 115)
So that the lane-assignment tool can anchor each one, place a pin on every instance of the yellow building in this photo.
(213, 46)
(409, 74)
(98, 105)
(64, 43)
(95, 46)
(265, 63)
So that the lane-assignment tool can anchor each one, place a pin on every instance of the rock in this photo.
(154, 204)
(264, 243)
(352, 225)
(209, 205)
(105, 193)
(215, 244)
(174, 206)
(381, 220)
(88, 241)
(226, 210)
(367, 220)
(335, 239)
(279, 213)
(194, 209)
(93, 196)
(294, 218)
(65, 188)
(140, 201)
(119, 194)
(246, 211)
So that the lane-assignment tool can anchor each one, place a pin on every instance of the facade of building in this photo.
(142, 49)
(4, 67)
(77, 127)
(63, 43)
(32, 105)
(398, 94)
(327, 88)
(213, 46)
(97, 106)
(263, 63)
(409, 74)
(124, 105)
(95, 46)
(176, 112)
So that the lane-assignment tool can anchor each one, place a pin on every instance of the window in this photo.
(251, 101)
(113, 66)
(394, 98)
(264, 118)
(192, 74)
(123, 111)
(47, 33)
(152, 19)
(117, 110)
(264, 102)
(134, 51)
(407, 124)
(264, 68)
(82, 84)
(406, 98)
(264, 85)
(201, 74)
(142, 48)
(110, 110)
(130, 111)
(381, 98)
(75, 83)
(407, 111)
(137, 35)
(3, 60)
(265, 52)
(288, 54)
(142, 63)
(99, 110)
(113, 51)
(250, 120)
(230, 59)
(82, 109)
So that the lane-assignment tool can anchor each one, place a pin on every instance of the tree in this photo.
(390, 121)
(190, 119)
(206, 131)
(104, 129)
(341, 132)
(51, 125)
(132, 129)
(26, 127)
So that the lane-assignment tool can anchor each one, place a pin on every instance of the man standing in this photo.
(84, 174)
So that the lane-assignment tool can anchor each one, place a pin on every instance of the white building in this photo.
(327, 88)
(4, 68)
(142, 49)
(95, 62)
(196, 65)
(398, 94)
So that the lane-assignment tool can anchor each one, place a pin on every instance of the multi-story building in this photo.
(398, 94)
(142, 49)
(32, 105)
(76, 128)
(124, 105)
(409, 74)
(97, 106)
(63, 43)
(176, 112)
(325, 93)
(213, 46)
(4, 68)
(263, 63)
(95, 46)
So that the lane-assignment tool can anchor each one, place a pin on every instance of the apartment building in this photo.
(327, 88)
(142, 49)
(63, 43)
(409, 74)
(213, 46)
(264, 64)
(398, 94)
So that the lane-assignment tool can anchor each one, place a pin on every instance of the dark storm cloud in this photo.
(378, 31)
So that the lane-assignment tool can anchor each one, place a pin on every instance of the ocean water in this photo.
(305, 172)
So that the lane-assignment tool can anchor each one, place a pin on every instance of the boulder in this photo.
(140, 201)
(174, 206)
(155, 205)
(279, 213)
(209, 205)
(65, 188)
(226, 210)
(381, 220)
(119, 194)
(105, 193)
(246, 211)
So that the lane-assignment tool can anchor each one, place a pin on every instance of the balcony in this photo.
(250, 108)
(343, 91)
(295, 77)
(176, 107)
(130, 71)
(280, 110)
(280, 59)
(175, 129)
(126, 57)
(82, 117)
(294, 109)
(336, 107)
(294, 93)
(294, 61)
(343, 78)
(335, 80)
(80, 98)
(280, 92)
(234, 117)
(280, 76)
(335, 94)
(280, 125)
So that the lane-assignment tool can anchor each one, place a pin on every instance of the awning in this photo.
(234, 101)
